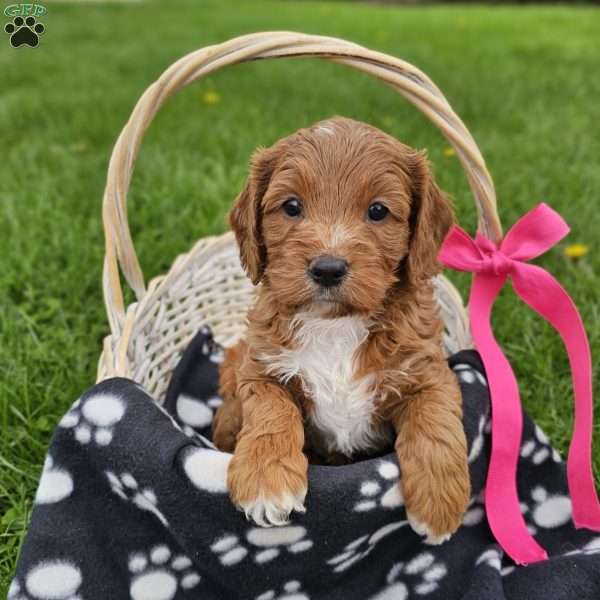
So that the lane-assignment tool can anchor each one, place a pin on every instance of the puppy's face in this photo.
(335, 215)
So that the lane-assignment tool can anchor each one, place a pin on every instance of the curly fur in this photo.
(337, 374)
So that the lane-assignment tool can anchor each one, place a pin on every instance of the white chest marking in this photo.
(324, 360)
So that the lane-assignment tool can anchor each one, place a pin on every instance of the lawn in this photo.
(524, 80)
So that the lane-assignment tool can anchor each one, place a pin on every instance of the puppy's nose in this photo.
(328, 271)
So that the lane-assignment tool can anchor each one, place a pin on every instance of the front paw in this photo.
(266, 512)
(424, 529)
(436, 507)
(268, 494)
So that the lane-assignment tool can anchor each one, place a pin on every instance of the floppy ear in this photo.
(432, 215)
(245, 217)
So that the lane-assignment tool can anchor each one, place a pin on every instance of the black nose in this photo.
(328, 270)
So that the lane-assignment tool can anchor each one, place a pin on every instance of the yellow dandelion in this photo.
(79, 146)
(211, 97)
(576, 251)
(449, 152)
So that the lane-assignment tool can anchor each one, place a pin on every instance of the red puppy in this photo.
(340, 224)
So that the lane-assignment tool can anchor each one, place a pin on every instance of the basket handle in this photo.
(406, 79)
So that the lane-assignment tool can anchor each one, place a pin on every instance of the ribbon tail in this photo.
(501, 497)
(545, 295)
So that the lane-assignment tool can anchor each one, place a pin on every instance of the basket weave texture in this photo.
(207, 286)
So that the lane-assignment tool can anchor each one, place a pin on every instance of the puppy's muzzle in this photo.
(328, 271)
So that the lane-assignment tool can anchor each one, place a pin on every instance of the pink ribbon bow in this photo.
(492, 265)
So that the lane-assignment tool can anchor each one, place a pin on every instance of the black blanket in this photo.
(132, 503)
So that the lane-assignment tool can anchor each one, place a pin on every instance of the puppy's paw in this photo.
(267, 494)
(273, 511)
(424, 529)
(435, 506)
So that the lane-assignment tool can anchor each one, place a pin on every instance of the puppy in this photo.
(341, 224)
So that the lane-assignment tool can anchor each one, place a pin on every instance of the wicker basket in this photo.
(207, 286)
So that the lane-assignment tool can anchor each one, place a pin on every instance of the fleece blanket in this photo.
(132, 503)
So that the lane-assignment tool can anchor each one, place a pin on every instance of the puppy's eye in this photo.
(377, 211)
(292, 207)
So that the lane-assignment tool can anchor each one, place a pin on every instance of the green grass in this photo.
(525, 80)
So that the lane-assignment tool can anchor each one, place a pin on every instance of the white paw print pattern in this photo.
(383, 491)
(478, 440)
(592, 547)
(55, 485)
(214, 351)
(493, 559)
(266, 544)
(94, 419)
(361, 547)
(476, 510)
(186, 429)
(291, 591)
(195, 413)
(467, 374)
(421, 574)
(48, 580)
(539, 449)
(229, 549)
(207, 469)
(157, 574)
(217, 355)
(548, 510)
(126, 486)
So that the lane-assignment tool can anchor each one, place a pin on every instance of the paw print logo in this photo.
(358, 549)
(539, 448)
(55, 485)
(423, 574)
(126, 486)
(291, 591)
(384, 491)
(24, 32)
(94, 419)
(56, 579)
(266, 544)
(548, 510)
(158, 575)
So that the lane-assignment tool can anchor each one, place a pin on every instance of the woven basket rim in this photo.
(120, 256)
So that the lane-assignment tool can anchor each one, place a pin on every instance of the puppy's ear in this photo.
(432, 215)
(245, 217)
